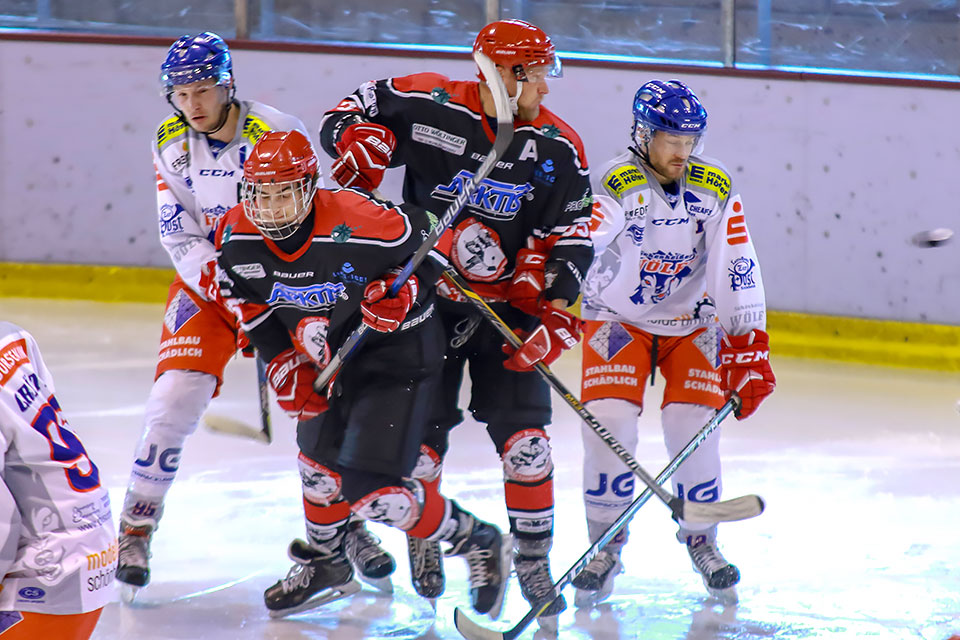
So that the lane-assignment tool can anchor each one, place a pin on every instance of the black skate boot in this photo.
(133, 559)
(426, 568)
(317, 578)
(595, 582)
(488, 555)
(533, 574)
(719, 576)
(372, 563)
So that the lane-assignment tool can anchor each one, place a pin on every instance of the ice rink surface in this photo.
(859, 466)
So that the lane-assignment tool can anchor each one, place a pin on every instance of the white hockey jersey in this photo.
(58, 544)
(195, 186)
(670, 270)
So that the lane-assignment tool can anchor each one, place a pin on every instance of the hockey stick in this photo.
(225, 424)
(741, 508)
(473, 631)
(503, 138)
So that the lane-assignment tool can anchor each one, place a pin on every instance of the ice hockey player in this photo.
(198, 153)
(302, 266)
(675, 285)
(522, 239)
(58, 546)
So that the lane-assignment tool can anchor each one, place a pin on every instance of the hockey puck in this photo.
(932, 238)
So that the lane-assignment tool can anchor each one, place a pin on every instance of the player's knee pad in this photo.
(608, 484)
(176, 402)
(429, 465)
(321, 486)
(527, 456)
(698, 479)
(399, 505)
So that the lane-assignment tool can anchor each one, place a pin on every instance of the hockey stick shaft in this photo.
(266, 427)
(502, 141)
(724, 511)
(472, 631)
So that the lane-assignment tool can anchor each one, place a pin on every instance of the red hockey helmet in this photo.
(279, 180)
(520, 47)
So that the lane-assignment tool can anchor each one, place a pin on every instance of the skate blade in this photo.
(586, 599)
(549, 624)
(726, 596)
(384, 585)
(506, 561)
(128, 592)
(323, 597)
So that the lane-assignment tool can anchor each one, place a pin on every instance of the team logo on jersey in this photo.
(495, 199)
(741, 274)
(544, 172)
(342, 232)
(550, 131)
(661, 273)
(179, 311)
(212, 215)
(170, 219)
(347, 273)
(609, 340)
(312, 338)
(477, 252)
(440, 95)
(635, 231)
(314, 297)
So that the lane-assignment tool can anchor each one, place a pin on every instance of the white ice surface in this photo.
(859, 466)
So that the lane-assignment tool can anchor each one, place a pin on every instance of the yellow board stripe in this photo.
(85, 282)
(875, 342)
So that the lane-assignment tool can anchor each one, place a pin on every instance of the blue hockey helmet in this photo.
(668, 106)
(195, 58)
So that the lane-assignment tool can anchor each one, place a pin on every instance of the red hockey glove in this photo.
(746, 369)
(291, 374)
(209, 288)
(243, 344)
(386, 314)
(558, 331)
(365, 149)
(528, 281)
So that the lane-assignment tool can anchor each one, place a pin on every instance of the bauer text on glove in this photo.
(292, 374)
(365, 149)
(557, 332)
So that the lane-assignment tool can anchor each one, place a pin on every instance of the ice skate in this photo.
(719, 576)
(488, 554)
(317, 578)
(133, 559)
(595, 582)
(426, 569)
(371, 562)
(536, 584)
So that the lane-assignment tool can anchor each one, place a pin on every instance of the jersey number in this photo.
(65, 447)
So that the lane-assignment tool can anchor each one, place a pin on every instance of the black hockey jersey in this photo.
(538, 195)
(311, 298)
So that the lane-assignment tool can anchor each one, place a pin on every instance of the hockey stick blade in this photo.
(502, 141)
(736, 509)
(472, 631)
(742, 508)
(231, 426)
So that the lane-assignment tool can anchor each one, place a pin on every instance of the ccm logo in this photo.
(746, 358)
(217, 173)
